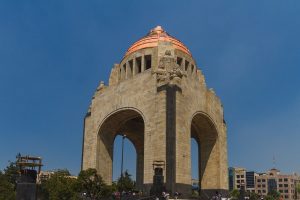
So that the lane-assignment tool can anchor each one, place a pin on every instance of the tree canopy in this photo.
(59, 186)
(125, 182)
(8, 182)
(298, 188)
(273, 195)
(91, 184)
(62, 186)
(234, 194)
(254, 196)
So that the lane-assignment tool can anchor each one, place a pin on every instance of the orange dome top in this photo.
(153, 37)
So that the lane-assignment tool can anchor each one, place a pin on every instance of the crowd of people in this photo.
(166, 196)
(132, 195)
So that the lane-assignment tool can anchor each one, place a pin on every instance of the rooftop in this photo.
(152, 39)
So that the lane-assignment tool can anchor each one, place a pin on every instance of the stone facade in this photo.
(158, 97)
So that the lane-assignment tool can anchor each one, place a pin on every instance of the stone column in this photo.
(105, 155)
(139, 170)
(134, 67)
(123, 72)
(143, 63)
(170, 134)
(155, 143)
(127, 70)
(89, 153)
(183, 146)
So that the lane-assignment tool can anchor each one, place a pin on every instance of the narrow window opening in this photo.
(131, 67)
(192, 68)
(186, 65)
(124, 68)
(179, 61)
(147, 62)
(124, 71)
(138, 63)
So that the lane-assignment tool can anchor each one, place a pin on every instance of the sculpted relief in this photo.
(168, 71)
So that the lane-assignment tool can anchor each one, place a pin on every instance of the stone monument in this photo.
(158, 97)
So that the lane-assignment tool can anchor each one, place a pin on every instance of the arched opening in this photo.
(129, 158)
(131, 123)
(204, 134)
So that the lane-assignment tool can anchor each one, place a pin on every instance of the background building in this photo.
(285, 184)
(263, 183)
(237, 178)
(250, 181)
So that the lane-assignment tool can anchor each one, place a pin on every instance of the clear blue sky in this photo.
(54, 53)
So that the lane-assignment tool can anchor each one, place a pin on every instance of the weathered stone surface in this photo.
(159, 109)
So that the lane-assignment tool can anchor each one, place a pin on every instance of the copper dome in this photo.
(153, 37)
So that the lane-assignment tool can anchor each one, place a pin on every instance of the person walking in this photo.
(166, 195)
(176, 195)
(217, 196)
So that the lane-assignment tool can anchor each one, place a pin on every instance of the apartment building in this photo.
(274, 180)
(263, 183)
(237, 178)
(250, 181)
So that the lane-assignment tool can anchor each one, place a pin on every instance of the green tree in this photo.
(12, 172)
(269, 197)
(254, 196)
(298, 188)
(273, 195)
(125, 183)
(8, 182)
(60, 186)
(114, 187)
(234, 194)
(92, 185)
(7, 189)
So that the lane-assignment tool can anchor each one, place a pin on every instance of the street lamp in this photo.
(123, 138)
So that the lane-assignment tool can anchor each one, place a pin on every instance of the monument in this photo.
(158, 97)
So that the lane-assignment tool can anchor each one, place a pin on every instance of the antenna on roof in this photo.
(274, 162)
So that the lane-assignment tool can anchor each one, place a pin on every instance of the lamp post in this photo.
(123, 138)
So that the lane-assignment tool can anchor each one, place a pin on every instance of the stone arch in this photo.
(128, 121)
(204, 131)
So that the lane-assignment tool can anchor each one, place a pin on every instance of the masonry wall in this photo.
(138, 93)
(196, 98)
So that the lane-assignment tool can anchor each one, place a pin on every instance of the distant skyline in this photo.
(53, 54)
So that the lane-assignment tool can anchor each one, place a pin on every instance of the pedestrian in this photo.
(166, 195)
(217, 196)
(176, 195)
